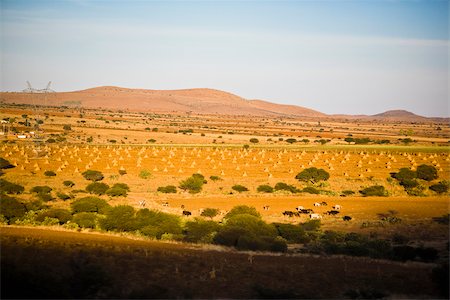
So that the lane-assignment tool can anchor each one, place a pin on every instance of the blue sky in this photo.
(355, 57)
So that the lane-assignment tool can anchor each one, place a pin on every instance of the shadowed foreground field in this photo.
(43, 263)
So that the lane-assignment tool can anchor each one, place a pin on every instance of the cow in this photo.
(299, 208)
(337, 207)
(315, 216)
(266, 207)
(201, 210)
(316, 204)
(346, 218)
(288, 213)
(186, 213)
(182, 206)
(324, 203)
(306, 211)
(332, 212)
(165, 204)
(142, 203)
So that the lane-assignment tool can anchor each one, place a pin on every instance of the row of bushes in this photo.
(242, 228)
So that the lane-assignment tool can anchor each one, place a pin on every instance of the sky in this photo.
(337, 57)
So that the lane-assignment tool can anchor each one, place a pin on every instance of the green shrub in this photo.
(169, 189)
(193, 184)
(85, 219)
(264, 188)
(98, 188)
(404, 174)
(119, 218)
(210, 212)
(93, 175)
(89, 204)
(200, 231)
(409, 183)
(155, 224)
(291, 141)
(376, 190)
(63, 196)
(239, 188)
(145, 174)
(49, 173)
(4, 164)
(247, 232)
(426, 172)
(313, 175)
(116, 191)
(242, 209)
(311, 225)
(11, 208)
(10, 188)
(215, 178)
(254, 140)
(311, 190)
(41, 189)
(62, 215)
(440, 188)
(122, 172)
(68, 183)
(291, 233)
(122, 186)
(347, 192)
(281, 186)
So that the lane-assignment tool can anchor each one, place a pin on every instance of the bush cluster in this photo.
(98, 188)
(93, 175)
(239, 188)
(89, 204)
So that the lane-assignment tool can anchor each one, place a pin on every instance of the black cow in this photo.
(332, 212)
(288, 213)
(346, 218)
(186, 213)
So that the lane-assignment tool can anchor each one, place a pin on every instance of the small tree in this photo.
(67, 127)
(93, 175)
(116, 191)
(41, 189)
(193, 184)
(11, 208)
(254, 140)
(210, 212)
(313, 175)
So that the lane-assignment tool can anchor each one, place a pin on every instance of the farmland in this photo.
(234, 156)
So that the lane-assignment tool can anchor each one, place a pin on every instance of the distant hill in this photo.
(199, 100)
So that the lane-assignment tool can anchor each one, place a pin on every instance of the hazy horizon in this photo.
(336, 57)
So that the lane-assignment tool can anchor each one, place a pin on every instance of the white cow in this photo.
(315, 216)
(317, 204)
(299, 208)
(337, 207)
